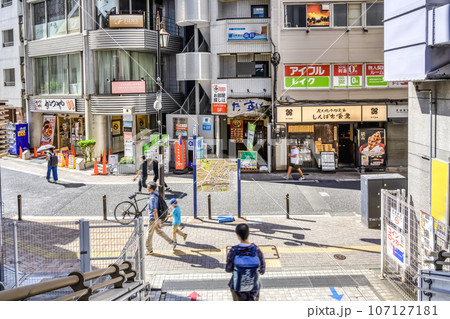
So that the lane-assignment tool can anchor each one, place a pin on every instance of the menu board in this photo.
(327, 161)
(237, 130)
(307, 76)
(347, 75)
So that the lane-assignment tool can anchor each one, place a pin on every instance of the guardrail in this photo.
(120, 275)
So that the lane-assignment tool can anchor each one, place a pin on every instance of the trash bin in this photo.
(371, 186)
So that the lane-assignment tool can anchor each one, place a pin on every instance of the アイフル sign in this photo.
(219, 99)
(306, 76)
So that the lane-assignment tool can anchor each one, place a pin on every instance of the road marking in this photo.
(324, 194)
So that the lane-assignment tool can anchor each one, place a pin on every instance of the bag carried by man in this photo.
(163, 209)
(246, 269)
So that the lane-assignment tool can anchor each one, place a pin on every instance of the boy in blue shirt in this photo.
(176, 214)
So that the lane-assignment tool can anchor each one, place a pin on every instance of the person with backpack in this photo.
(52, 166)
(156, 212)
(246, 263)
(176, 214)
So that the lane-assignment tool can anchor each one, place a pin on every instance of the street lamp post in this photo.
(163, 41)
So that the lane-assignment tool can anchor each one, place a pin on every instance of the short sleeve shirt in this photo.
(143, 168)
(153, 203)
(176, 216)
(294, 160)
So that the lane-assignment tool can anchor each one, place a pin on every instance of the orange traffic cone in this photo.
(109, 152)
(35, 153)
(95, 168)
(73, 151)
(104, 161)
(104, 169)
(42, 154)
(20, 153)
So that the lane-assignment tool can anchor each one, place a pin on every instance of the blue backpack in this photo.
(246, 269)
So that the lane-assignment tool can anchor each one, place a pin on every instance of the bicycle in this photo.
(126, 211)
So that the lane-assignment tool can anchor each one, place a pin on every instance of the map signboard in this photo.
(216, 175)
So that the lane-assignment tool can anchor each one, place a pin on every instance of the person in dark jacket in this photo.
(245, 247)
(142, 174)
(155, 168)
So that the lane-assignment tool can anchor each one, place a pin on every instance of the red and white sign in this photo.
(396, 246)
(396, 84)
(347, 75)
(397, 218)
(48, 129)
(180, 155)
(305, 70)
(219, 99)
(127, 87)
(374, 69)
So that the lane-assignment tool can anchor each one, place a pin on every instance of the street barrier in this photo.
(287, 207)
(105, 211)
(209, 206)
(19, 207)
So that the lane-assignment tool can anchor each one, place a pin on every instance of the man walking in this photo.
(295, 162)
(154, 223)
(156, 173)
(142, 174)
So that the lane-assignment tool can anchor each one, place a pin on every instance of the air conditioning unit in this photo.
(325, 7)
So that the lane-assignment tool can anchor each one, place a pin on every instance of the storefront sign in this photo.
(245, 107)
(48, 130)
(250, 136)
(307, 76)
(347, 75)
(331, 113)
(289, 114)
(316, 17)
(127, 87)
(180, 155)
(374, 113)
(249, 160)
(247, 32)
(237, 130)
(396, 246)
(372, 146)
(141, 122)
(54, 105)
(71, 162)
(126, 21)
(219, 99)
(397, 111)
(375, 75)
(181, 129)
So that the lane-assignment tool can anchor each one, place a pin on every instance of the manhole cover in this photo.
(340, 257)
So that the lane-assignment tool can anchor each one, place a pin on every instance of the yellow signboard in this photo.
(289, 114)
(440, 190)
(126, 21)
(341, 113)
(374, 113)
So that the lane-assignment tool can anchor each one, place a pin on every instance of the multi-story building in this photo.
(12, 79)
(229, 58)
(417, 49)
(330, 92)
(87, 60)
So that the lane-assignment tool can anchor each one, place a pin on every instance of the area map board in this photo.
(216, 175)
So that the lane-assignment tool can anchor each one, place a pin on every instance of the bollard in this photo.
(19, 207)
(209, 206)
(287, 207)
(104, 208)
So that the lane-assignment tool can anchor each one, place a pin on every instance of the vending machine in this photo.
(18, 137)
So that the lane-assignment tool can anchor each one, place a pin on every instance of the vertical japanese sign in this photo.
(396, 246)
(307, 76)
(375, 75)
(250, 136)
(347, 75)
(219, 99)
(48, 130)
(237, 130)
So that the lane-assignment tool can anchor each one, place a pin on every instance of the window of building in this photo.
(244, 66)
(132, 6)
(59, 74)
(8, 38)
(261, 69)
(6, 3)
(374, 14)
(260, 11)
(9, 77)
(55, 17)
(309, 15)
(347, 14)
(104, 9)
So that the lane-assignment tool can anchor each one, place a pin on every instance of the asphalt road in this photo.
(309, 197)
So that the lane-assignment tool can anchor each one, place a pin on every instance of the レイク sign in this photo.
(219, 99)
(54, 105)
(347, 75)
(375, 75)
(306, 76)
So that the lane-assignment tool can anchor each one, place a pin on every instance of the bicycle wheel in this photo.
(125, 212)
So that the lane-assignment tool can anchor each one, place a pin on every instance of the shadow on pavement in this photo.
(174, 194)
(376, 241)
(71, 185)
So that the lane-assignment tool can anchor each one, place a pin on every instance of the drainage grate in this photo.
(269, 251)
(339, 257)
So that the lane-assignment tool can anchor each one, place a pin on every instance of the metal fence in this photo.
(36, 251)
(407, 237)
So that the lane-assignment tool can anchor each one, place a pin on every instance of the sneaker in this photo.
(284, 177)
(184, 237)
(149, 252)
(301, 178)
(174, 244)
(49, 181)
(168, 189)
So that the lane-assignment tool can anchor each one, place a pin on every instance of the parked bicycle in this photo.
(126, 211)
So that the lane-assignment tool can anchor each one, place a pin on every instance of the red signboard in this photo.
(374, 69)
(300, 70)
(127, 87)
(180, 155)
(348, 70)
(219, 99)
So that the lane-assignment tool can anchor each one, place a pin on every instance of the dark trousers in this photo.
(54, 171)
(237, 297)
(156, 176)
(142, 182)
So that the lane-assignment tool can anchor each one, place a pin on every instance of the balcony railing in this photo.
(6, 3)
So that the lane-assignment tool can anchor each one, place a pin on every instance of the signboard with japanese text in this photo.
(127, 87)
(126, 21)
(397, 218)
(374, 113)
(428, 243)
(249, 160)
(350, 113)
(237, 130)
(375, 75)
(245, 107)
(396, 246)
(48, 130)
(307, 76)
(250, 136)
(247, 32)
(206, 124)
(396, 84)
(54, 105)
(219, 99)
(397, 111)
(289, 114)
(347, 76)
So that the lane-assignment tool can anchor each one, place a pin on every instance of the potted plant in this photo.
(87, 147)
(126, 165)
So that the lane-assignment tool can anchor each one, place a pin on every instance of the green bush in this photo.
(126, 160)
(87, 147)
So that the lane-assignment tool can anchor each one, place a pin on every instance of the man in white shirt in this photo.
(295, 162)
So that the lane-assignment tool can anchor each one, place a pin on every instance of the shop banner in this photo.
(250, 136)
(397, 218)
(375, 75)
(154, 150)
(428, 235)
(396, 246)
(306, 76)
(374, 113)
(219, 99)
(316, 17)
(180, 155)
(350, 113)
(289, 114)
(48, 130)
(372, 146)
(249, 160)
(245, 107)
(237, 130)
(347, 75)
(54, 105)
(247, 32)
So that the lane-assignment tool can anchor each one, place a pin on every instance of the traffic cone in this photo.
(73, 151)
(95, 168)
(35, 153)
(104, 161)
(42, 154)
(20, 153)
(109, 152)
(104, 169)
